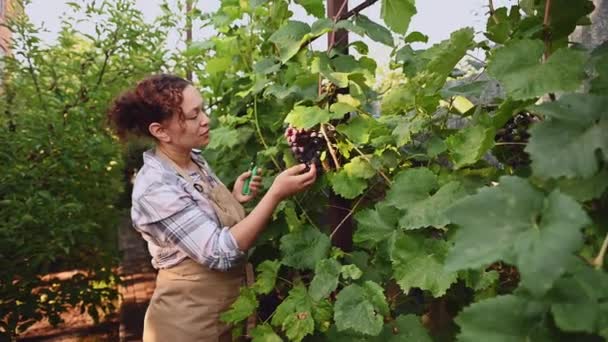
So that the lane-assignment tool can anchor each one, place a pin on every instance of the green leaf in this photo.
(406, 127)
(585, 189)
(289, 38)
(566, 15)
(519, 225)
(243, 307)
(345, 185)
(302, 249)
(314, 7)
(430, 212)
(218, 64)
(470, 144)
(502, 319)
(419, 262)
(416, 37)
(397, 14)
(266, 276)
(359, 167)
(375, 225)
(417, 182)
(264, 333)
(321, 64)
(599, 59)
(294, 314)
(357, 129)
(374, 31)
(326, 277)
(568, 142)
(340, 109)
(518, 67)
(576, 300)
(266, 66)
(361, 308)
(406, 328)
(351, 272)
(308, 117)
(223, 136)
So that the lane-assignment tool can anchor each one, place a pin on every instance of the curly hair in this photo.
(154, 99)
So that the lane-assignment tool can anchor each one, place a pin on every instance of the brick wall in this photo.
(7, 8)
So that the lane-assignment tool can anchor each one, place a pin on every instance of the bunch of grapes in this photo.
(306, 145)
(515, 134)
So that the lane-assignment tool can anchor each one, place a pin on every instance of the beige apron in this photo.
(189, 297)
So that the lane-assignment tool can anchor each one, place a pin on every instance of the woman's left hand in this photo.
(254, 186)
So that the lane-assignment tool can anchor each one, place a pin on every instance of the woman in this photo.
(196, 229)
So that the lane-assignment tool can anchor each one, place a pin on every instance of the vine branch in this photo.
(332, 152)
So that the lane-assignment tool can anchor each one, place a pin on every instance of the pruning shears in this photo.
(254, 171)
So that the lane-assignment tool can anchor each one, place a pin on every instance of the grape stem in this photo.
(351, 211)
(598, 262)
(380, 172)
(332, 152)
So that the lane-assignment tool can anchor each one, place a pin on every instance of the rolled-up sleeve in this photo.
(172, 215)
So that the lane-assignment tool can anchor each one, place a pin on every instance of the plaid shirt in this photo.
(176, 220)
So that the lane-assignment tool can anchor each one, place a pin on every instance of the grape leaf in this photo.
(419, 262)
(470, 144)
(397, 14)
(289, 38)
(321, 64)
(361, 308)
(245, 305)
(314, 7)
(359, 167)
(567, 143)
(266, 276)
(374, 31)
(308, 117)
(599, 59)
(518, 67)
(411, 185)
(302, 249)
(430, 212)
(266, 66)
(223, 136)
(325, 280)
(566, 15)
(503, 319)
(406, 328)
(347, 186)
(294, 314)
(585, 189)
(576, 300)
(351, 271)
(357, 129)
(375, 225)
(264, 333)
(519, 225)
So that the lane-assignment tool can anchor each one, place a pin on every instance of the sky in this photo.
(435, 18)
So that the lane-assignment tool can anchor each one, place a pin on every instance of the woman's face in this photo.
(193, 130)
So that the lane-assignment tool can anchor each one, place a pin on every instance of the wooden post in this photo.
(188, 35)
(338, 209)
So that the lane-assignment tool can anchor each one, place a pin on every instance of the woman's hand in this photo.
(292, 181)
(254, 186)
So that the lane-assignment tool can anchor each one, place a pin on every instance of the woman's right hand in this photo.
(292, 181)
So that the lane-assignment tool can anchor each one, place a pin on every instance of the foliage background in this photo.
(478, 188)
